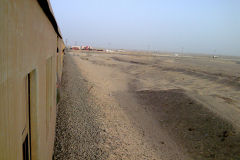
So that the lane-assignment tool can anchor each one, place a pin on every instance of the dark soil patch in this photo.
(237, 62)
(226, 99)
(123, 60)
(216, 77)
(204, 135)
(102, 63)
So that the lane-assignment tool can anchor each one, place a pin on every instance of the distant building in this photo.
(109, 51)
(76, 47)
(31, 61)
(82, 47)
(121, 50)
(86, 48)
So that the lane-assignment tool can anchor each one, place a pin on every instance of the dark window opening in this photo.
(25, 149)
(29, 115)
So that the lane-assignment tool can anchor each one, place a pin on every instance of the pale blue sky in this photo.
(200, 26)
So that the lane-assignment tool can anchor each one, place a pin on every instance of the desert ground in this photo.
(152, 106)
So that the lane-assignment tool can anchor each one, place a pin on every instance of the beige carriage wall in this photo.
(31, 56)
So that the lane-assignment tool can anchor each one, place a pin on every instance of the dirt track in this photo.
(141, 106)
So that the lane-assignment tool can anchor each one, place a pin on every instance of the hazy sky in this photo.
(201, 26)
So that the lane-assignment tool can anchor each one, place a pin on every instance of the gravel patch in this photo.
(79, 134)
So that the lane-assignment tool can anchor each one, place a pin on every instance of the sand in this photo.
(148, 106)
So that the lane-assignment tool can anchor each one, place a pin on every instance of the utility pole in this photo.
(214, 51)
(182, 49)
(66, 41)
(148, 47)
